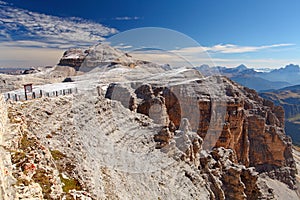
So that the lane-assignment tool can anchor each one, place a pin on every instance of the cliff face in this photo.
(73, 58)
(288, 98)
(250, 126)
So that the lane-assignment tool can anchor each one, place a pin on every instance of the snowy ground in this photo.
(51, 89)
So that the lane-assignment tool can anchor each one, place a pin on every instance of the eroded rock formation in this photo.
(252, 127)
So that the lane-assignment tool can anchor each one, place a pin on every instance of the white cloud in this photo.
(231, 48)
(122, 46)
(126, 18)
(4, 34)
(196, 56)
(3, 3)
(21, 25)
(228, 49)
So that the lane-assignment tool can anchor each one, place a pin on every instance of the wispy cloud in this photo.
(195, 56)
(126, 18)
(122, 46)
(193, 60)
(228, 49)
(21, 27)
(3, 3)
(231, 48)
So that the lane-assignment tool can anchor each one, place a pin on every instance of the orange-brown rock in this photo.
(236, 119)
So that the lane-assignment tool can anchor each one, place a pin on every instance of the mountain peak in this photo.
(292, 68)
(242, 67)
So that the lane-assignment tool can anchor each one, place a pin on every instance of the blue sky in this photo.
(258, 33)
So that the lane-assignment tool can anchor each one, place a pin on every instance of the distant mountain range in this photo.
(258, 79)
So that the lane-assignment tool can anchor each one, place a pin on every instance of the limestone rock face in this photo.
(185, 145)
(250, 126)
(231, 181)
(98, 55)
(189, 143)
(73, 58)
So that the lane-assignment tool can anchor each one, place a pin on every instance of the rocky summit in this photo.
(136, 129)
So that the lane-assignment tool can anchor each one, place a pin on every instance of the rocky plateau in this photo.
(136, 129)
